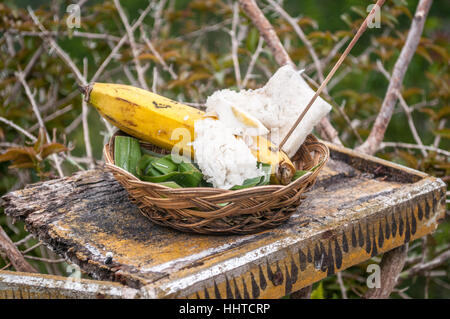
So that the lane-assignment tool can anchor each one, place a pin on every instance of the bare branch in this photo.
(27, 70)
(18, 128)
(8, 249)
(265, 28)
(384, 116)
(383, 145)
(158, 18)
(155, 80)
(38, 115)
(406, 109)
(432, 264)
(437, 138)
(53, 116)
(84, 118)
(235, 45)
(134, 50)
(76, 34)
(116, 49)
(156, 54)
(391, 265)
(302, 36)
(356, 37)
(326, 130)
(253, 60)
(61, 53)
(341, 285)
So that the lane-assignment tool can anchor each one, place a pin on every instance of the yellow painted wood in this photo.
(360, 207)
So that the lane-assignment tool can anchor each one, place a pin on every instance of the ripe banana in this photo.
(154, 118)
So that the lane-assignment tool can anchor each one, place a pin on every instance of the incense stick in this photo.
(358, 34)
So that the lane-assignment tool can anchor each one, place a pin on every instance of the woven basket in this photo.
(197, 209)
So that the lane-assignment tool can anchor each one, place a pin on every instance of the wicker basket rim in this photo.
(109, 162)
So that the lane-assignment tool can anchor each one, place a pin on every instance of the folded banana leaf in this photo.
(127, 153)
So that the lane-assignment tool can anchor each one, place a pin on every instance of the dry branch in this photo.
(130, 33)
(302, 36)
(376, 135)
(391, 265)
(406, 109)
(326, 130)
(8, 249)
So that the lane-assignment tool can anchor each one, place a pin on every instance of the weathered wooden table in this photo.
(360, 207)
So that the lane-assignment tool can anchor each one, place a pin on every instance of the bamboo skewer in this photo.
(358, 34)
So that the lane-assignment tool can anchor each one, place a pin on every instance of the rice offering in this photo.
(277, 105)
(224, 160)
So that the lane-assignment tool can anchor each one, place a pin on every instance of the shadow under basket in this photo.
(208, 210)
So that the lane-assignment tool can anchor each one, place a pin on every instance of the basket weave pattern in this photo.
(209, 210)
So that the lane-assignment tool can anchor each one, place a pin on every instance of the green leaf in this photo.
(160, 178)
(318, 293)
(252, 39)
(298, 174)
(151, 153)
(188, 179)
(170, 184)
(127, 153)
(267, 168)
(165, 165)
(251, 182)
(144, 165)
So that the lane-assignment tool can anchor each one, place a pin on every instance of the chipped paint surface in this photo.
(360, 207)
(25, 285)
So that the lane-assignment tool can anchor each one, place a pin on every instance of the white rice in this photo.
(224, 160)
(277, 105)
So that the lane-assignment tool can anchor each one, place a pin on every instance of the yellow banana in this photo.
(154, 118)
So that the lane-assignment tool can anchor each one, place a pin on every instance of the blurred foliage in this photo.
(192, 37)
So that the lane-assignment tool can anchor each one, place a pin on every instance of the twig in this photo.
(158, 18)
(267, 31)
(391, 265)
(302, 36)
(437, 138)
(53, 116)
(253, 60)
(72, 126)
(38, 115)
(27, 70)
(341, 285)
(156, 54)
(384, 116)
(23, 240)
(61, 53)
(155, 80)
(235, 45)
(47, 260)
(412, 146)
(76, 34)
(358, 34)
(435, 262)
(203, 30)
(32, 248)
(18, 128)
(326, 130)
(8, 249)
(406, 109)
(134, 50)
(120, 43)
(85, 124)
